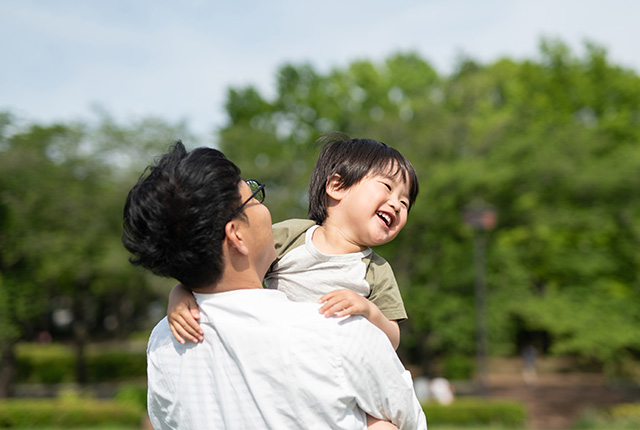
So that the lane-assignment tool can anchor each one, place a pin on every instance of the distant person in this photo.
(265, 362)
(421, 387)
(529, 357)
(441, 390)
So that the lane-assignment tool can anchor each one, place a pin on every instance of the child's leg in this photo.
(376, 424)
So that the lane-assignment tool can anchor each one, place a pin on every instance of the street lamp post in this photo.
(482, 218)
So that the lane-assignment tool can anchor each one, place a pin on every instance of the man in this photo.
(265, 362)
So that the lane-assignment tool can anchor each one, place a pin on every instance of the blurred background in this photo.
(520, 261)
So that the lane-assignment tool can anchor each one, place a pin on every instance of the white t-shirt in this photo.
(307, 274)
(304, 273)
(269, 363)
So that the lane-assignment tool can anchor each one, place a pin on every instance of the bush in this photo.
(458, 368)
(67, 412)
(55, 364)
(116, 366)
(624, 416)
(468, 412)
(132, 394)
(627, 411)
(50, 364)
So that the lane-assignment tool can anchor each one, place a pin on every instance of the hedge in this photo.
(72, 413)
(129, 407)
(57, 365)
(623, 416)
(469, 411)
(626, 411)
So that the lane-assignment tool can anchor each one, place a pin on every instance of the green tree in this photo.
(552, 143)
(62, 190)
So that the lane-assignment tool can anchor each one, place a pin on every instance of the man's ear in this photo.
(235, 237)
(333, 189)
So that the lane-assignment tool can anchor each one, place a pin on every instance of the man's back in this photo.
(268, 363)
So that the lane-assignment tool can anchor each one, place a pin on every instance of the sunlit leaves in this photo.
(552, 142)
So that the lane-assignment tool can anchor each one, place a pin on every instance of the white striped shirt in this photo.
(269, 363)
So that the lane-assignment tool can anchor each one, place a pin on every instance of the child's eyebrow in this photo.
(401, 176)
(398, 174)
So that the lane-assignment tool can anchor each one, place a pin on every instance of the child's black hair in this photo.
(353, 160)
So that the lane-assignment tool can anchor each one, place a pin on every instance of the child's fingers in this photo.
(192, 327)
(189, 321)
(342, 303)
(187, 328)
(334, 297)
(327, 303)
(324, 299)
(189, 333)
(335, 294)
(176, 335)
(332, 307)
(349, 310)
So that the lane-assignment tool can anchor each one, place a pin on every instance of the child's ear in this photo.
(333, 188)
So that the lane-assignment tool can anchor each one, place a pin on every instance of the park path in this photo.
(556, 400)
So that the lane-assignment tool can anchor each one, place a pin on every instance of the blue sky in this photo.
(176, 60)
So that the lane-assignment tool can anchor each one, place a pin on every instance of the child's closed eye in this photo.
(386, 185)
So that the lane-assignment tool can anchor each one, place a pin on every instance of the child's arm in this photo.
(377, 424)
(183, 313)
(346, 302)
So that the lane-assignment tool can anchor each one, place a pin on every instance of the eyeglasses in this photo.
(258, 193)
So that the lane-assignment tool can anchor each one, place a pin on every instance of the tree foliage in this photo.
(553, 143)
(63, 269)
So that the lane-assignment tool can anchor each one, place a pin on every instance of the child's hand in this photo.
(183, 313)
(344, 302)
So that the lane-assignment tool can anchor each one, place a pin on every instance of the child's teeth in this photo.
(386, 219)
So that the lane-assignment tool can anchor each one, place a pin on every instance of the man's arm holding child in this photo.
(376, 377)
(346, 302)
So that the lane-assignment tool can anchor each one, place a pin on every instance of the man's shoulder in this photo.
(160, 337)
(306, 315)
(350, 327)
(160, 328)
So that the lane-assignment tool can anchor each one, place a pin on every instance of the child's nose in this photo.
(394, 203)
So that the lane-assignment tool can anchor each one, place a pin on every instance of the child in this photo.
(360, 194)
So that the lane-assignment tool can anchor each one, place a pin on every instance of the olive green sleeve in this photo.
(289, 234)
(385, 293)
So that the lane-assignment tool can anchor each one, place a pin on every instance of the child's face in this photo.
(376, 208)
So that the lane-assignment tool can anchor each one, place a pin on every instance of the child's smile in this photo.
(387, 218)
(371, 212)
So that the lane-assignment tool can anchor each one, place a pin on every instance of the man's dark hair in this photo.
(174, 216)
(353, 160)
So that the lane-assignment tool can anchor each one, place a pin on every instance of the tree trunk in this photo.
(80, 335)
(8, 371)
